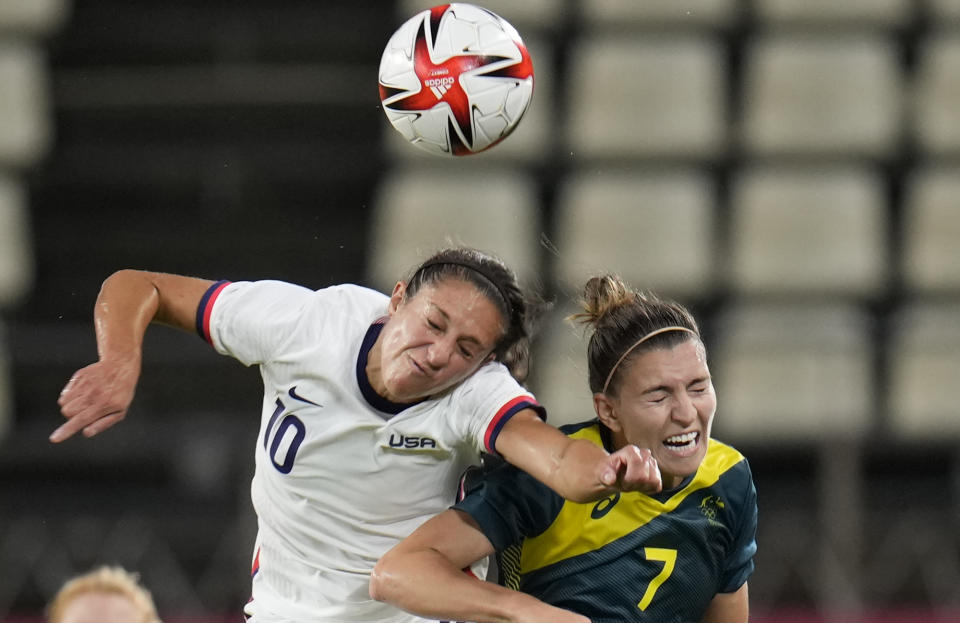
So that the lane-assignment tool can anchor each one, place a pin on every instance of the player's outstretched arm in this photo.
(576, 469)
(97, 396)
(423, 575)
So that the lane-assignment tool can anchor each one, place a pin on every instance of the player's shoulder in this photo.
(351, 294)
(349, 303)
(491, 391)
(722, 456)
(728, 468)
(488, 378)
(587, 429)
(292, 296)
(263, 287)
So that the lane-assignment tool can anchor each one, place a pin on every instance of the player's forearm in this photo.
(578, 473)
(127, 303)
(587, 473)
(573, 468)
(427, 584)
(130, 300)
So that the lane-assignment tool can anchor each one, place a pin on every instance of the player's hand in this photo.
(632, 468)
(97, 397)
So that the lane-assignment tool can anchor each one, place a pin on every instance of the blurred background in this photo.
(788, 168)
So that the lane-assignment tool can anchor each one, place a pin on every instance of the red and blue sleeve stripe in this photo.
(503, 416)
(206, 307)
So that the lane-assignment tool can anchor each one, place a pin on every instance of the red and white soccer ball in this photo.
(455, 79)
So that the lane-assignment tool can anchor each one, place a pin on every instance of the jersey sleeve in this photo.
(508, 504)
(487, 400)
(739, 564)
(250, 321)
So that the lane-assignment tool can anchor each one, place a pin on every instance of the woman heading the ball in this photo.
(682, 554)
(373, 406)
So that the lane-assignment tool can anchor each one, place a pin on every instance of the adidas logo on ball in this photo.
(439, 86)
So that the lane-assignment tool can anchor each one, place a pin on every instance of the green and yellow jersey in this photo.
(628, 557)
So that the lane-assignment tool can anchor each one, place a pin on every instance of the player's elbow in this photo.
(382, 583)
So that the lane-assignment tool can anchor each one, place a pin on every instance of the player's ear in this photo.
(606, 411)
(399, 292)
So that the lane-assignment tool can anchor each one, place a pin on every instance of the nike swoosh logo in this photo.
(293, 394)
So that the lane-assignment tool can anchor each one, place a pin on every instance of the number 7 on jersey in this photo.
(669, 558)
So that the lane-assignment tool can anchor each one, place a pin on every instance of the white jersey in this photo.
(341, 473)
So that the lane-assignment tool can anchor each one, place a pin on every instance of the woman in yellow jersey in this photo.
(683, 554)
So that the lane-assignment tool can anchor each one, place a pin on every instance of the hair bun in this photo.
(600, 296)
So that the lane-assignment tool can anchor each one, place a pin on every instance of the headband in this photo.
(638, 343)
(480, 270)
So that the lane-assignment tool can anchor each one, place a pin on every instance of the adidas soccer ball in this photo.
(455, 79)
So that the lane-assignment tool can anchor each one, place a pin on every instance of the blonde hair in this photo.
(111, 580)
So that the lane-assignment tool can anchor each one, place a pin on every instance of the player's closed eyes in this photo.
(466, 352)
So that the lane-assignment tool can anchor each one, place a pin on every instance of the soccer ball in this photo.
(455, 79)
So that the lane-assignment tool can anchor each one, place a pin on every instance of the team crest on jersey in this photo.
(710, 507)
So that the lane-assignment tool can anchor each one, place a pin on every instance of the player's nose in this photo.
(684, 410)
(438, 354)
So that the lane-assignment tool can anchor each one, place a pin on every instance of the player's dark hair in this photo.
(623, 320)
(499, 284)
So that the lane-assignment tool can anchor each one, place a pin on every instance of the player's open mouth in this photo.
(684, 443)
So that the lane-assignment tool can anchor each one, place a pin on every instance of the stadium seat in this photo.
(924, 368)
(645, 97)
(654, 228)
(817, 230)
(531, 139)
(794, 376)
(559, 368)
(828, 13)
(943, 12)
(24, 105)
(930, 228)
(419, 210)
(793, 372)
(612, 14)
(936, 124)
(821, 95)
(32, 17)
(16, 250)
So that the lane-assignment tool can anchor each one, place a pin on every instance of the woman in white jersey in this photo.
(373, 406)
